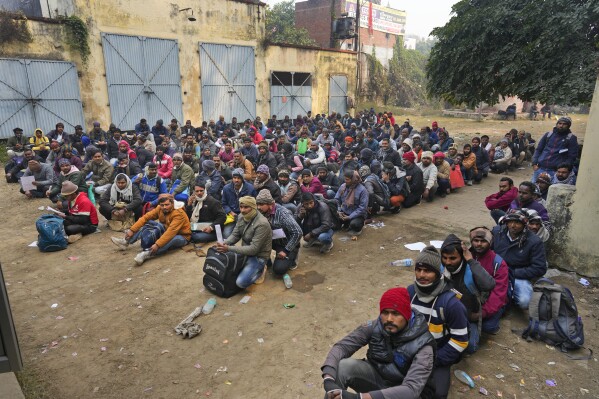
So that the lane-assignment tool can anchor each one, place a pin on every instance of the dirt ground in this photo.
(111, 335)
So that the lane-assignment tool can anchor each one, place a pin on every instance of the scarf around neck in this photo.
(428, 293)
(199, 202)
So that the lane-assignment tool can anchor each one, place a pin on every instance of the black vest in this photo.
(392, 355)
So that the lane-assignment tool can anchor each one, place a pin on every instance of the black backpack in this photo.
(553, 316)
(221, 271)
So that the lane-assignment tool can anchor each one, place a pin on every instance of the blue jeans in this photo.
(489, 325)
(251, 271)
(467, 174)
(327, 237)
(200, 236)
(177, 241)
(228, 229)
(496, 214)
(522, 292)
(537, 172)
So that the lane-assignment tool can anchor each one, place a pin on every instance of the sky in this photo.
(423, 15)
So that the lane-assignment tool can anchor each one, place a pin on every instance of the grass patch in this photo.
(33, 385)
(3, 155)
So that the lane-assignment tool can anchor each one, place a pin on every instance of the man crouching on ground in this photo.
(399, 360)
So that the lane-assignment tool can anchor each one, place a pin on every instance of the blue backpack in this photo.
(150, 233)
(51, 235)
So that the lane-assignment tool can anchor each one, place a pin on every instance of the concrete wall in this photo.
(575, 213)
(218, 21)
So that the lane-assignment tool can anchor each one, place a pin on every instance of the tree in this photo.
(546, 51)
(280, 25)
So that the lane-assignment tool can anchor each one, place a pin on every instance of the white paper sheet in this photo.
(415, 246)
(199, 226)
(27, 183)
(56, 211)
(278, 233)
(33, 244)
(219, 233)
(437, 244)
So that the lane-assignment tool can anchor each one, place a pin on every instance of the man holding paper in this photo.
(205, 214)
(37, 179)
(286, 232)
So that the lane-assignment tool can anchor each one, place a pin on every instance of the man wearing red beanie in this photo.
(399, 360)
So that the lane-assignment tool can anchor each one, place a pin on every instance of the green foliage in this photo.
(545, 51)
(377, 78)
(280, 25)
(13, 28)
(77, 36)
(407, 78)
(424, 46)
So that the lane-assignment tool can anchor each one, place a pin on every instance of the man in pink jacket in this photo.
(499, 202)
(493, 303)
(164, 163)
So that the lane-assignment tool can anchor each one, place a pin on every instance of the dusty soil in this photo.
(133, 320)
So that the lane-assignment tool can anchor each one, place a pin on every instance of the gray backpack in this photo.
(553, 316)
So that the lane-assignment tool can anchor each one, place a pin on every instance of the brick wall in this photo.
(315, 16)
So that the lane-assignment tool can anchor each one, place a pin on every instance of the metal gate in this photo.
(144, 79)
(38, 93)
(228, 81)
(290, 93)
(338, 94)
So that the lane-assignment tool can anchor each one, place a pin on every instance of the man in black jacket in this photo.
(329, 181)
(202, 208)
(400, 357)
(316, 221)
(415, 180)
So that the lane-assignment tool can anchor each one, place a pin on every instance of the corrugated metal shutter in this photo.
(290, 93)
(338, 94)
(228, 81)
(144, 79)
(37, 93)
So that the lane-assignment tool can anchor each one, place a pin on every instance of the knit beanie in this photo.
(263, 169)
(409, 156)
(238, 172)
(430, 258)
(427, 154)
(397, 299)
(264, 197)
(208, 165)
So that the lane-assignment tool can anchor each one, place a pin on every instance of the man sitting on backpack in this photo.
(171, 214)
(81, 217)
(254, 231)
(493, 303)
(468, 277)
(524, 253)
(431, 294)
(316, 221)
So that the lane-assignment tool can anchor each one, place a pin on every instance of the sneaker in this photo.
(325, 249)
(262, 277)
(73, 238)
(120, 242)
(142, 256)
(469, 182)
(293, 267)
(310, 244)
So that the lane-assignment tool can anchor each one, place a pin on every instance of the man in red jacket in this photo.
(499, 202)
(493, 303)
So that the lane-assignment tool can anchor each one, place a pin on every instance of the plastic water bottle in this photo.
(209, 306)
(287, 281)
(403, 262)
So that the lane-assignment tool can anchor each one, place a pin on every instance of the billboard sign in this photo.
(384, 19)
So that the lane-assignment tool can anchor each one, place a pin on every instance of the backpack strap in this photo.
(496, 263)
(469, 281)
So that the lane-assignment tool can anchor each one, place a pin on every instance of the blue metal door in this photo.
(38, 93)
(228, 81)
(338, 94)
(144, 79)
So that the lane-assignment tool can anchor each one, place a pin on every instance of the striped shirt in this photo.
(447, 322)
(282, 218)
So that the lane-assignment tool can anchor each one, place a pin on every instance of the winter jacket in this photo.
(44, 177)
(211, 212)
(525, 257)
(271, 186)
(416, 184)
(497, 298)
(331, 182)
(555, 148)
(290, 193)
(443, 170)
(483, 281)
(176, 223)
(501, 200)
(284, 219)
(315, 187)
(231, 196)
(185, 175)
(447, 323)
(102, 173)
(469, 162)
(429, 175)
(482, 158)
(269, 160)
(502, 155)
(132, 170)
(360, 206)
(150, 189)
(536, 205)
(75, 176)
(216, 183)
(390, 155)
(316, 220)
(249, 174)
(415, 352)
(165, 166)
(256, 237)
